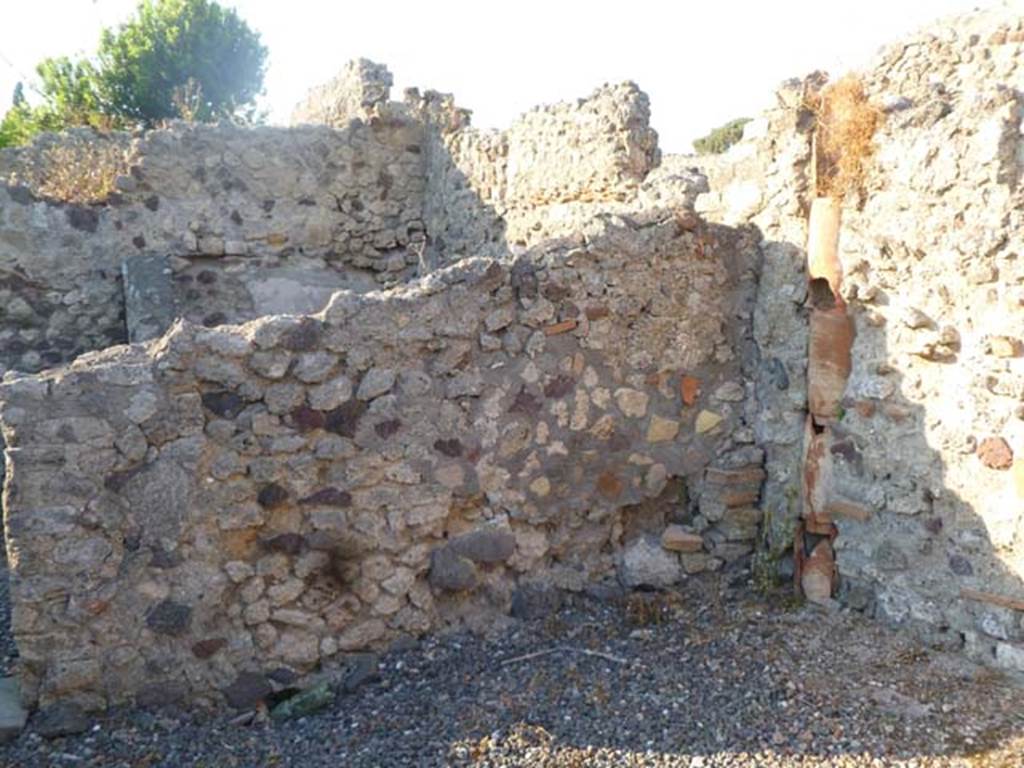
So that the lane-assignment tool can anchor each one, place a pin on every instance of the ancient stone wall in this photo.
(221, 224)
(212, 223)
(569, 380)
(932, 444)
(921, 466)
(764, 181)
(359, 90)
(59, 289)
(547, 175)
(198, 512)
(242, 222)
(210, 533)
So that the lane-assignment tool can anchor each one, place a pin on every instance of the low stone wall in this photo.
(218, 224)
(197, 513)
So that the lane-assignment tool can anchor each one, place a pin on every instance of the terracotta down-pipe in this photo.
(829, 363)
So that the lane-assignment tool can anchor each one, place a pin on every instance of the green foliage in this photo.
(721, 138)
(69, 99)
(69, 91)
(188, 59)
(149, 67)
(17, 126)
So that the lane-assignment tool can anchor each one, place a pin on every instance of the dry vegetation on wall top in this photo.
(74, 169)
(846, 122)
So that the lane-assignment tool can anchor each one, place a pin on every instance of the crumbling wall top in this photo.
(361, 89)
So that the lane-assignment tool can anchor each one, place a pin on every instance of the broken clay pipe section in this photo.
(823, 244)
(829, 364)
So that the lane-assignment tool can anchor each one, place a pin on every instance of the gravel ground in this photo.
(709, 676)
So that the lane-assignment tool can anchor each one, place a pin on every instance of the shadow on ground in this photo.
(707, 676)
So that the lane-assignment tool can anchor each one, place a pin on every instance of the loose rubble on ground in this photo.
(709, 675)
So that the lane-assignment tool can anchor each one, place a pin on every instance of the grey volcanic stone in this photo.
(451, 571)
(305, 703)
(247, 690)
(148, 296)
(161, 695)
(61, 719)
(362, 669)
(169, 618)
(646, 564)
(535, 601)
(272, 496)
(376, 382)
(960, 565)
(486, 545)
(163, 489)
(303, 336)
(12, 713)
(223, 403)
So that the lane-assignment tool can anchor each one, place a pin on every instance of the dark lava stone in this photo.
(560, 386)
(450, 448)
(272, 496)
(204, 649)
(225, 404)
(305, 335)
(169, 618)
(285, 543)
(329, 497)
(247, 690)
(61, 719)
(386, 429)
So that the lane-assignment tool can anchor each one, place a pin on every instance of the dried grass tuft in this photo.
(846, 122)
(74, 169)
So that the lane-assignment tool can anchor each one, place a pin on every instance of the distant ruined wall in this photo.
(924, 465)
(60, 289)
(241, 222)
(545, 176)
(190, 515)
(357, 92)
(220, 224)
(216, 224)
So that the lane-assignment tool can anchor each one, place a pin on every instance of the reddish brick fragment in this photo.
(609, 486)
(563, 327)
(689, 387)
(995, 453)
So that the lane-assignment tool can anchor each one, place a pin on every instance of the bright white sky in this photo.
(702, 63)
